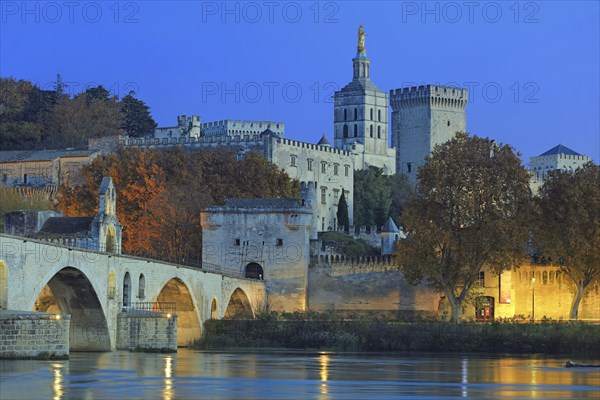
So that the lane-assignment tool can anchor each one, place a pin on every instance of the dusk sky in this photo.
(532, 68)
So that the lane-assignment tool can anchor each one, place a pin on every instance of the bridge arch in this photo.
(214, 309)
(69, 291)
(188, 323)
(3, 285)
(239, 306)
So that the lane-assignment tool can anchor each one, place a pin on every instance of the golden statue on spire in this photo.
(360, 49)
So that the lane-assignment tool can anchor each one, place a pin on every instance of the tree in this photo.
(160, 194)
(137, 120)
(567, 230)
(342, 213)
(378, 197)
(471, 211)
(76, 120)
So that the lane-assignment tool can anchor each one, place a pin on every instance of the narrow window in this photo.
(371, 130)
(323, 195)
(379, 115)
(355, 114)
(237, 242)
(345, 114)
(355, 130)
(345, 130)
(481, 279)
(279, 242)
(448, 123)
(335, 169)
(293, 160)
(379, 132)
(310, 164)
(409, 167)
(346, 170)
(371, 114)
(323, 167)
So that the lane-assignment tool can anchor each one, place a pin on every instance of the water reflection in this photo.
(168, 391)
(57, 382)
(324, 372)
(295, 375)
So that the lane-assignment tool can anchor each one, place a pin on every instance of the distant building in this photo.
(557, 158)
(101, 232)
(38, 168)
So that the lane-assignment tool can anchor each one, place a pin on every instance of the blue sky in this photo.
(532, 67)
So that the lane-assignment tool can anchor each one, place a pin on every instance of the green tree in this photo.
(76, 120)
(137, 120)
(342, 213)
(567, 230)
(471, 211)
(378, 197)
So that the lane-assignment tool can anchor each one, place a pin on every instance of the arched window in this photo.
(345, 114)
(142, 287)
(371, 130)
(379, 115)
(371, 114)
(355, 114)
(254, 271)
(355, 130)
(345, 130)
(379, 132)
(126, 290)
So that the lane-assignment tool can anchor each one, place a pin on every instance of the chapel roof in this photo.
(73, 227)
(560, 149)
(390, 226)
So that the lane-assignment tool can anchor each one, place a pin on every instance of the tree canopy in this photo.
(378, 197)
(32, 118)
(160, 194)
(567, 230)
(137, 120)
(471, 210)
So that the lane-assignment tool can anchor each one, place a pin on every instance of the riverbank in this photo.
(548, 337)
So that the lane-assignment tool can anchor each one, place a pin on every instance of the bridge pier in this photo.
(34, 335)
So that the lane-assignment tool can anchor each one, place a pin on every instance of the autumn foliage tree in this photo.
(567, 230)
(160, 194)
(471, 211)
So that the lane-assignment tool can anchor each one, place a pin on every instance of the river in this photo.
(190, 374)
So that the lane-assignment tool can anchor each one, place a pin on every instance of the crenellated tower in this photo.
(423, 116)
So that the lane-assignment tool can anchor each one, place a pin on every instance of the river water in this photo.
(192, 374)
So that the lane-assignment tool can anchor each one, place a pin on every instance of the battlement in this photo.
(184, 120)
(317, 147)
(241, 127)
(337, 265)
(444, 96)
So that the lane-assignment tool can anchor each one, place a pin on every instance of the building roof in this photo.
(560, 149)
(390, 226)
(74, 227)
(324, 141)
(262, 203)
(41, 155)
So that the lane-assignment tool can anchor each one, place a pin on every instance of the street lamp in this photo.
(533, 299)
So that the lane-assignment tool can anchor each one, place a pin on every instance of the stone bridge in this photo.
(95, 288)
